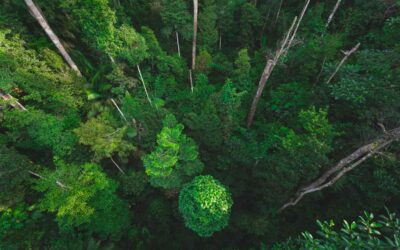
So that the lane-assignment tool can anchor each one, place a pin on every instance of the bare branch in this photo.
(195, 13)
(347, 54)
(347, 164)
(144, 85)
(333, 13)
(119, 168)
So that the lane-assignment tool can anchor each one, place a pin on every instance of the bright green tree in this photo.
(174, 159)
(205, 205)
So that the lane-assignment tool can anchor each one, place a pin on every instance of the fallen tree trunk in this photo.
(53, 37)
(345, 165)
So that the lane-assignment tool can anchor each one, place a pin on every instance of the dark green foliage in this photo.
(109, 160)
(205, 205)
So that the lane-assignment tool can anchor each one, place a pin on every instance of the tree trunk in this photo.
(177, 43)
(346, 56)
(269, 67)
(261, 84)
(345, 165)
(53, 37)
(144, 85)
(195, 13)
(333, 13)
(13, 101)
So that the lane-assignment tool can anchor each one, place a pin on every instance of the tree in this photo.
(86, 198)
(367, 232)
(205, 205)
(103, 139)
(174, 159)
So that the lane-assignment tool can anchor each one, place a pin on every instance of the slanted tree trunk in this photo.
(195, 14)
(13, 101)
(333, 13)
(347, 54)
(177, 43)
(53, 37)
(269, 67)
(332, 175)
(144, 84)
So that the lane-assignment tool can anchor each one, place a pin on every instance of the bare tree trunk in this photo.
(119, 168)
(298, 24)
(53, 37)
(333, 13)
(59, 183)
(191, 80)
(269, 67)
(279, 11)
(346, 56)
(144, 85)
(119, 110)
(345, 165)
(177, 43)
(220, 41)
(13, 101)
(195, 13)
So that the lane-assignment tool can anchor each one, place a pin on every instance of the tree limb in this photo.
(347, 54)
(345, 165)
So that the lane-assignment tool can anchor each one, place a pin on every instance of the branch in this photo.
(347, 54)
(333, 13)
(347, 164)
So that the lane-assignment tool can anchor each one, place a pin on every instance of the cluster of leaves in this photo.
(174, 159)
(205, 205)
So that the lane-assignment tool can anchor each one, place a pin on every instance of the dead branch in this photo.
(347, 54)
(332, 175)
(333, 13)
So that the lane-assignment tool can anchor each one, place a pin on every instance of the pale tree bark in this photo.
(271, 63)
(195, 14)
(144, 85)
(278, 12)
(332, 175)
(59, 183)
(191, 80)
(333, 13)
(13, 101)
(53, 37)
(347, 54)
(119, 168)
(177, 43)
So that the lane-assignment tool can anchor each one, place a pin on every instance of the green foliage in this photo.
(103, 139)
(14, 174)
(96, 20)
(205, 205)
(174, 159)
(83, 195)
(365, 233)
(176, 17)
(129, 45)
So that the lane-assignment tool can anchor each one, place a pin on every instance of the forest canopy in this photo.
(173, 124)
